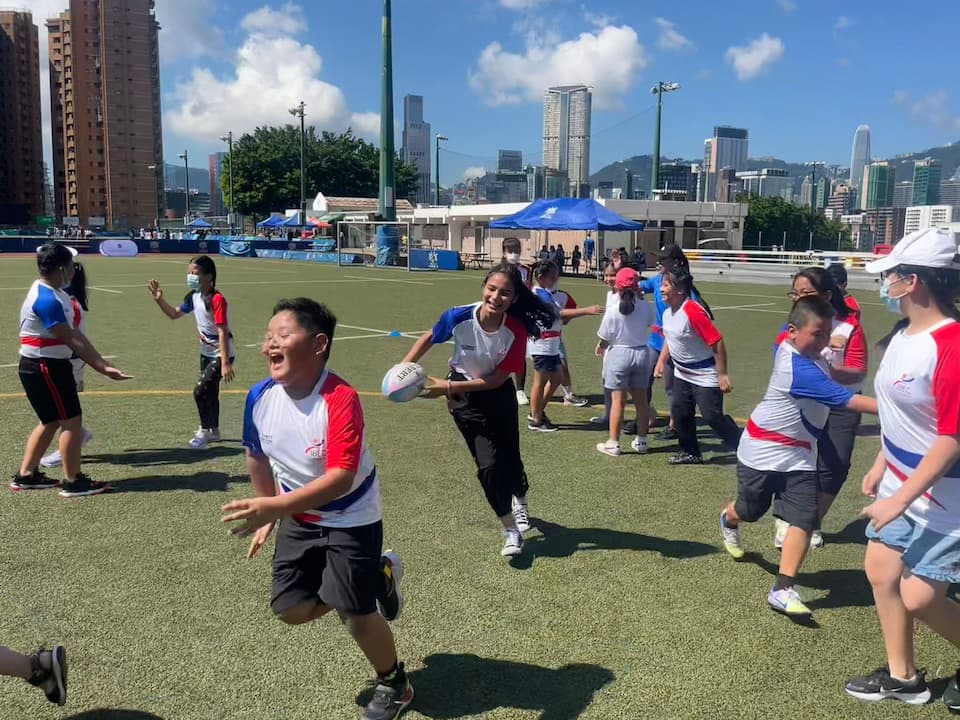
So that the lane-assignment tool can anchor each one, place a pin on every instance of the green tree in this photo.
(770, 219)
(266, 172)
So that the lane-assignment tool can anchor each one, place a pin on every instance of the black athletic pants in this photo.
(836, 449)
(488, 422)
(687, 397)
(207, 392)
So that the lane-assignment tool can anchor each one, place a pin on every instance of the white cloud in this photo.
(521, 4)
(900, 97)
(270, 74)
(931, 109)
(474, 171)
(609, 60)
(670, 38)
(704, 74)
(787, 5)
(188, 30)
(842, 22)
(598, 20)
(288, 20)
(750, 61)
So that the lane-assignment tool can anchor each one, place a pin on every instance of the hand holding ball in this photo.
(403, 382)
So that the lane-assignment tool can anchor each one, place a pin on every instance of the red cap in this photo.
(627, 279)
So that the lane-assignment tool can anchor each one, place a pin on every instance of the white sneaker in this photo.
(781, 533)
(600, 420)
(522, 398)
(816, 540)
(639, 444)
(54, 459)
(204, 437)
(521, 515)
(610, 447)
(512, 543)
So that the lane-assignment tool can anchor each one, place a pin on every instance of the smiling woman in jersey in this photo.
(209, 308)
(913, 553)
(489, 344)
(48, 339)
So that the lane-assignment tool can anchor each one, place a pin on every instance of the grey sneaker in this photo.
(391, 697)
(880, 685)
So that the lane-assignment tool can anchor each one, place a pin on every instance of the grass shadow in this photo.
(557, 541)
(197, 482)
(845, 588)
(868, 431)
(464, 685)
(110, 714)
(147, 457)
(852, 534)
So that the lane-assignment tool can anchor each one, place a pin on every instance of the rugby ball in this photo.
(403, 382)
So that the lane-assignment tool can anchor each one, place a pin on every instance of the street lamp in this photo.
(813, 196)
(228, 139)
(659, 89)
(439, 138)
(298, 112)
(186, 189)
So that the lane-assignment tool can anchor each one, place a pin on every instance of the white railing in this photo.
(851, 259)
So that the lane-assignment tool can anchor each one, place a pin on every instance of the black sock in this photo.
(784, 582)
(391, 674)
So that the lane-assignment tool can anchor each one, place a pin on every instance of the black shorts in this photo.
(793, 495)
(340, 567)
(546, 363)
(50, 388)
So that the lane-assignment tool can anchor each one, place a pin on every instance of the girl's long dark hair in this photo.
(535, 314)
(681, 278)
(78, 286)
(823, 283)
(628, 301)
(944, 287)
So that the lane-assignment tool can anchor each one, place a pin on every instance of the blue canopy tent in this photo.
(271, 222)
(292, 221)
(567, 214)
(199, 223)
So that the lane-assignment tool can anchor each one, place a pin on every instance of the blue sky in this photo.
(799, 74)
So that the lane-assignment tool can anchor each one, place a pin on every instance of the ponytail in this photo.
(530, 310)
(700, 299)
(628, 300)
(78, 286)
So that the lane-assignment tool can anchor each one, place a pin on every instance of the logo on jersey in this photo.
(315, 449)
(902, 384)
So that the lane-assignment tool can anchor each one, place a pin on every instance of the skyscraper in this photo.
(21, 148)
(705, 181)
(416, 145)
(950, 192)
(926, 182)
(726, 149)
(879, 180)
(509, 161)
(860, 155)
(903, 194)
(566, 134)
(105, 112)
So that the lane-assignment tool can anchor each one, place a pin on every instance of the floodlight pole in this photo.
(388, 206)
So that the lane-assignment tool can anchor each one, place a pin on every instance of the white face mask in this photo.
(193, 282)
(512, 258)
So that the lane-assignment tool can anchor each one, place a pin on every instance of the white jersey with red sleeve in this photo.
(303, 439)
(918, 391)
(476, 352)
(782, 432)
(690, 334)
(549, 341)
(44, 308)
(208, 320)
(854, 352)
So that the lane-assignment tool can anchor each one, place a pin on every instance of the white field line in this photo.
(108, 290)
(741, 307)
(390, 280)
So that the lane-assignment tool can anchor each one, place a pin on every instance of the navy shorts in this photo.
(546, 363)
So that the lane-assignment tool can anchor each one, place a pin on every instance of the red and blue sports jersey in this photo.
(854, 353)
(690, 335)
(918, 391)
(782, 433)
(44, 308)
(476, 352)
(208, 321)
(305, 438)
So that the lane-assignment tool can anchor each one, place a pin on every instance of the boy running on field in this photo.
(777, 456)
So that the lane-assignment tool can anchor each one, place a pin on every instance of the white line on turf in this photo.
(108, 290)
(741, 307)
(391, 280)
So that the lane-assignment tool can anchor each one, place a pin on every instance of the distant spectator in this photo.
(575, 258)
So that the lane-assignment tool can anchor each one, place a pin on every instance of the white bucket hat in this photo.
(931, 247)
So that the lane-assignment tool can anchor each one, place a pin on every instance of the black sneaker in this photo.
(667, 434)
(951, 696)
(630, 427)
(52, 680)
(82, 487)
(685, 458)
(390, 599)
(35, 481)
(391, 697)
(880, 685)
(543, 426)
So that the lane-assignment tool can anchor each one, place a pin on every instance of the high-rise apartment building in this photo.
(416, 145)
(766, 182)
(676, 180)
(879, 179)
(509, 161)
(859, 155)
(726, 149)
(950, 192)
(842, 200)
(903, 194)
(921, 217)
(926, 182)
(105, 112)
(566, 135)
(215, 166)
(21, 144)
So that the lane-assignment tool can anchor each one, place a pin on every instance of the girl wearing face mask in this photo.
(209, 308)
(913, 553)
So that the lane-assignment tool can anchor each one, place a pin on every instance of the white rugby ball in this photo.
(403, 382)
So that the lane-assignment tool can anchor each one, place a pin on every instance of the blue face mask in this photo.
(891, 303)
(193, 282)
